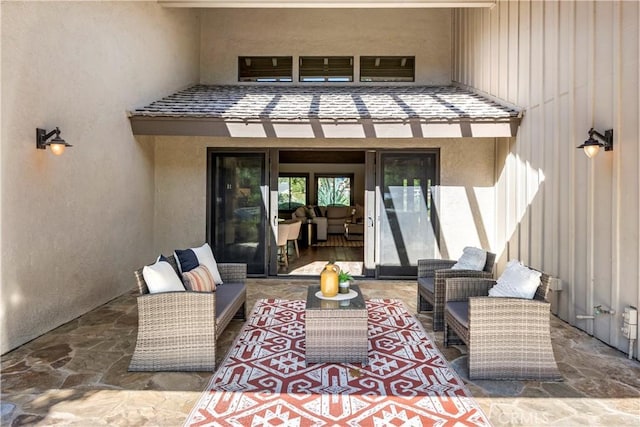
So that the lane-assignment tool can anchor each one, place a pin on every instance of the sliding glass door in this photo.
(237, 217)
(407, 225)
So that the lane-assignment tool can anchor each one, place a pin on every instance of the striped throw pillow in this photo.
(199, 280)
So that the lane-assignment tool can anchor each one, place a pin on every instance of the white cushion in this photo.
(517, 281)
(471, 259)
(161, 277)
(205, 257)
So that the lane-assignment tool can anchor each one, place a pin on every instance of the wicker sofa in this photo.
(432, 274)
(506, 338)
(177, 331)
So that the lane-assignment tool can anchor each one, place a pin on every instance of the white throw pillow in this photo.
(471, 259)
(517, 281)
(161, 277)
(205, 257)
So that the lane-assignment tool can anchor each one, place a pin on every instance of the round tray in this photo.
(339, 297)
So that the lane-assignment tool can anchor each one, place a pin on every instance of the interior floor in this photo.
(312, 260)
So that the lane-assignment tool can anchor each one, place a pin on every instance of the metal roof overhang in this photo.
(322, 112)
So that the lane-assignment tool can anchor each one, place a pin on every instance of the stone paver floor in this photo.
(76, 375)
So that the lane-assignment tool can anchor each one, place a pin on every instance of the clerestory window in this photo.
(326, 68)
(387, 68)
(265, 69)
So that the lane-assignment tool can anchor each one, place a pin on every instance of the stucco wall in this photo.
(572, 65)
(465, 198)
(75, 227)
(229, 33)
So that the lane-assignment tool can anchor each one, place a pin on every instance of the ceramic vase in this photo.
(329, 280)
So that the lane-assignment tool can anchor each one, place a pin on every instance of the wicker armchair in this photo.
(506, 338)
(432, 276)
(177, 331)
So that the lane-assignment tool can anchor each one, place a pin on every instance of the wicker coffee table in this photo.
(336, 331)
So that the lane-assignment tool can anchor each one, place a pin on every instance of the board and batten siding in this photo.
(571, 65)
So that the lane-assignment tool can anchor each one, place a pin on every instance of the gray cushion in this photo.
(226, 295)
(460, 311)
(427, 283)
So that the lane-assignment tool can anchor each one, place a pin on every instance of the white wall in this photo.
(572, 65)
(75, 227)
(229, 33)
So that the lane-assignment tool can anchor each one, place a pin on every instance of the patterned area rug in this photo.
(264, 379)
(340, 240)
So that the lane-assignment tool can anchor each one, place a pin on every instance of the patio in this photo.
(77, 374)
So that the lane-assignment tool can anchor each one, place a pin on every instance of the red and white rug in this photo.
(264, 380)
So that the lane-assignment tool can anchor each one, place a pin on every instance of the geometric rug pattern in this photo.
(264, 380)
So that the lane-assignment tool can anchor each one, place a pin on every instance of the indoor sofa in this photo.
(330, 219)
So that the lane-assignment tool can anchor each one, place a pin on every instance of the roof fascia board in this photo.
(325, 129)
(333, 4)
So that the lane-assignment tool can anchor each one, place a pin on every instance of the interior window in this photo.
(334, 190)
(292, 191)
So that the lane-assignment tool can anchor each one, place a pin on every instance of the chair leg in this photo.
(283, 254)
(295, 243)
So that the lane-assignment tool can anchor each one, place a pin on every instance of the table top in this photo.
(315, 303)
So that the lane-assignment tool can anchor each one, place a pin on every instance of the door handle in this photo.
(370, 221)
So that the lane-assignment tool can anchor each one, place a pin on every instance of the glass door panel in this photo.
(238, 209)
(407, 223)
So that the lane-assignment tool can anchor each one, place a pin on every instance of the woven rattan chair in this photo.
(432, 274)
(506, 338)
(177, 331)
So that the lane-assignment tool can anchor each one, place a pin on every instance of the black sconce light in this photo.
(591, 146)
(57, 144)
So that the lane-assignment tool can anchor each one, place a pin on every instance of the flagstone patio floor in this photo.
(76, 375)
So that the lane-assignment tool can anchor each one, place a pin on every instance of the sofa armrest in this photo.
(462, 288)
(176, 332)
(232, 272)
(426, 267)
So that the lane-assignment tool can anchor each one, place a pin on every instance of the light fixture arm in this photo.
(56, 144)
(56, 131)
(607, 138)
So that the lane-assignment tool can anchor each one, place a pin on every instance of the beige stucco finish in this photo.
(229, 33)
(75, 227)
(465, 198)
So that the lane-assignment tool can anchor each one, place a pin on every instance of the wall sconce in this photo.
(57, 144)
(591, 146)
